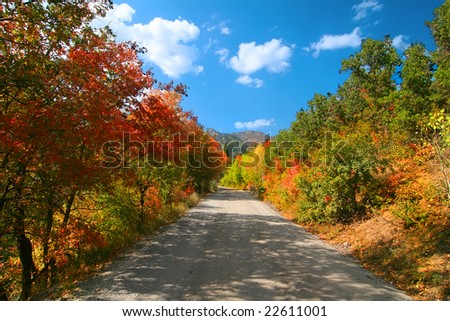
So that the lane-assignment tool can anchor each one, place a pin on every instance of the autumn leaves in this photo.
(76, 109)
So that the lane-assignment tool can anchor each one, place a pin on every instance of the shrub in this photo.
(342, 185)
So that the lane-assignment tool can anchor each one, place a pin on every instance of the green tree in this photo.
(413, 101)
(417, 71)
(341, 185)
(374, 67)
(233, 176)
(366, 93)
(440, 27)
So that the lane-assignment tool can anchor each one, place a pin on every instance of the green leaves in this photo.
(417, 71)
(440, 27)
(373, 68)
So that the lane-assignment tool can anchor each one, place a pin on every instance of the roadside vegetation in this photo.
(367, 167)
(94, 152)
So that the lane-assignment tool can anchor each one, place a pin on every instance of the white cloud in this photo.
(221, 26)
(122, 12)
(256, 124)
(272, 56)
(211, 42)
(223, 54)
(365, 7)
(400, 43)
(225, 30)
(246, 80)
(332, 42)
(167, 42)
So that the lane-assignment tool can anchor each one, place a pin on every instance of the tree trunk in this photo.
(3, 295)
(25, 253)
(46, 241)
(443, 162)
(68, 209)
(142, 191)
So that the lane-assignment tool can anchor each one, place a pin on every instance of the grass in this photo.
(416, 260)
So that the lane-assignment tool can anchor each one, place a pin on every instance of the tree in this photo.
(64, 91)
(417, 71)
(205, 158)
(373, 68)
(78, 117)
(439, 137)
(413, 101)
(440, 27)
(30, 64)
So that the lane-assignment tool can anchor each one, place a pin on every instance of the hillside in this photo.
(368, 167)
(232, 140)
(242, 137)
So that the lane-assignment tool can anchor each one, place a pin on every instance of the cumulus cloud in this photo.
(400, 42)
(256, 124)
(168, 42)
(363, 9)
(333, 42)
(272, 56)
(246, 80)
(122, 12)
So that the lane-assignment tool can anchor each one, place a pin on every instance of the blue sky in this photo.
(252, 64)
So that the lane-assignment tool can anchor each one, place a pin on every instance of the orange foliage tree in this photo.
(68, 92)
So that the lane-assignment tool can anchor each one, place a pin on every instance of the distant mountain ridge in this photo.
(241, 137)
(231, 141)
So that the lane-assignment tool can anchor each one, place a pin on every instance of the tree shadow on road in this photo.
(235, 256)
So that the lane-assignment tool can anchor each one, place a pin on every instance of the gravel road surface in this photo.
(234, 247)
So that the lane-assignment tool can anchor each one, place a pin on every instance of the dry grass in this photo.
(416, 260)
(407, 242)
(192, 200)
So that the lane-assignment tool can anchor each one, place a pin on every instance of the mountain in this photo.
(243, 140)
(241, 137)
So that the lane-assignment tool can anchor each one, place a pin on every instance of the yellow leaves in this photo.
(439, 120)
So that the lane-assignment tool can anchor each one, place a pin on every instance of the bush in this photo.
(343, 185)
(410, 213)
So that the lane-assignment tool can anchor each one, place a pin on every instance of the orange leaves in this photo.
(69, 93)
(375, 139)
(64, 92)
(152, 199)
(78, 236)
(159, 117)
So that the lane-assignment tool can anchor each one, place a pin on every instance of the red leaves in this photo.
(78, 236)
(68, 94)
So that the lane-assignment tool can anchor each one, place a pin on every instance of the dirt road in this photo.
(234, 247)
